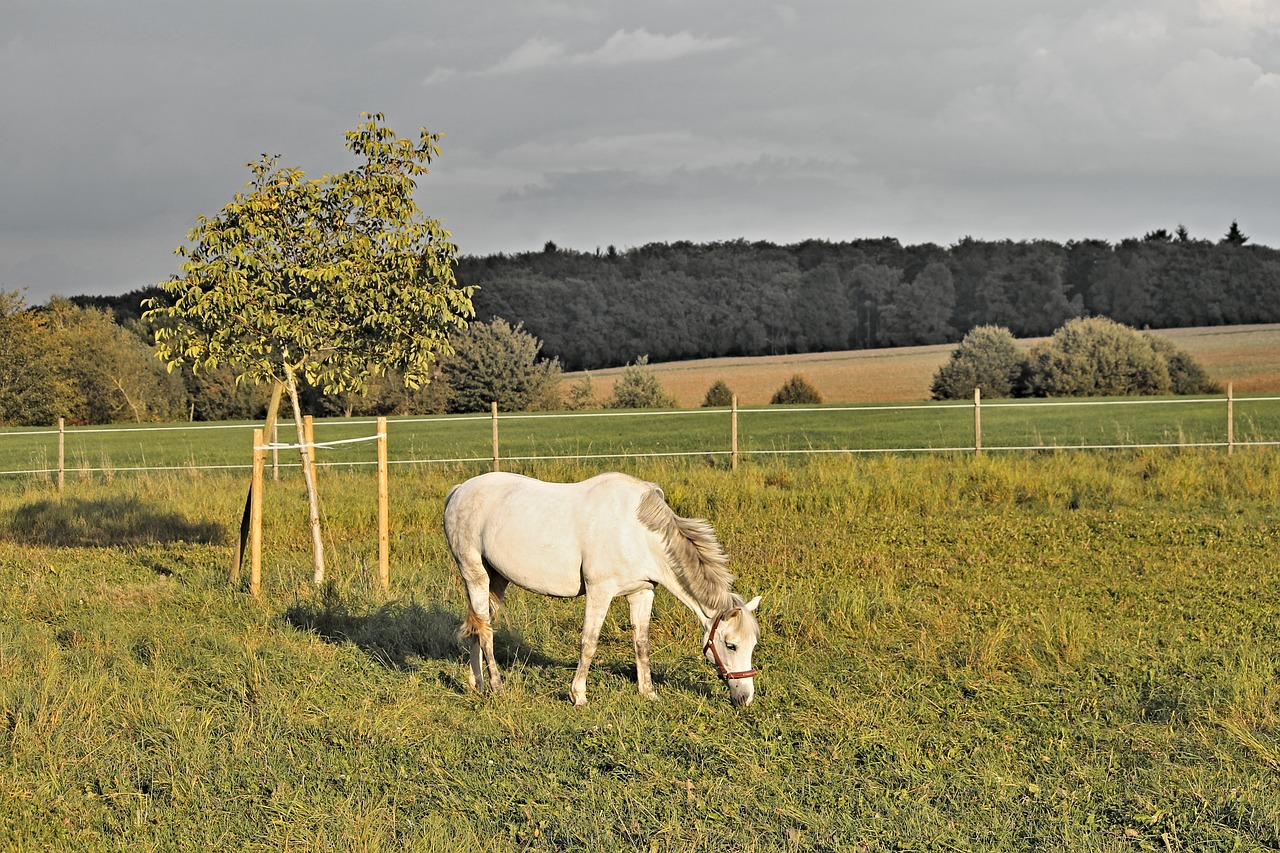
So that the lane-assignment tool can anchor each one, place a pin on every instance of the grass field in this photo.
(1248, 356)
(1053, 651)
(104, 453)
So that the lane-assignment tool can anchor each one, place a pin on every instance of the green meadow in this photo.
(1008, 651)
(762, 431)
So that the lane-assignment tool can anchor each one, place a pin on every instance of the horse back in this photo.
(549, 537)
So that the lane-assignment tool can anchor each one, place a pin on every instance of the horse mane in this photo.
(694, 552)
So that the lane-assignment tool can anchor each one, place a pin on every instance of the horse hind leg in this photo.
(482, 602)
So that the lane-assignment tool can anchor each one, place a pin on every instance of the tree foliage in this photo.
(684, 300)
(1186, 376)
(640, 388)
(31, 386)
(331, 279)
(1096, 356)
(496, 363)
(987, 358)
(796, 391)
(77, 363)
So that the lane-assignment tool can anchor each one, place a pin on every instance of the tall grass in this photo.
(1058, 651)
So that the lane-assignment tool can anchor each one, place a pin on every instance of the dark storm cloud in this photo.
(597, 123)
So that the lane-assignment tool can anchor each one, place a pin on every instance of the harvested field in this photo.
(1247, 356)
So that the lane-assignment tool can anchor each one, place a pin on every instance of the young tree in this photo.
(332, 279)
(582, 394)
(495, 363)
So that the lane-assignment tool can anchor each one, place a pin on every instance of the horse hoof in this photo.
(579, 701)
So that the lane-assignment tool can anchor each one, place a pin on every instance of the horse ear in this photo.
(752, 604)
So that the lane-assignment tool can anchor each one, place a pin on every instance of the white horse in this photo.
(607, 536)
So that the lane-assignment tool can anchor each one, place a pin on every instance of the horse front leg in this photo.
(597, 608)
(641, 607)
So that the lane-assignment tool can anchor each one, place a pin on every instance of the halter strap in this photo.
(725, 673)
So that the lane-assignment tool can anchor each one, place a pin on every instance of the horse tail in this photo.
(694, 552)
(473, 626)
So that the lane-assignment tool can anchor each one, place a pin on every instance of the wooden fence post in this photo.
(62, 452)
(309, 436)
(384, 526)
(977, 420)
(733, 435)
(255, 515)
(494, 409)
(1231, 421)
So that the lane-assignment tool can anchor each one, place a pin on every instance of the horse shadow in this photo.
(103, 522)
(399, 633)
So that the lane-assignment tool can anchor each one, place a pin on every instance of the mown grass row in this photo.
(1062, 650)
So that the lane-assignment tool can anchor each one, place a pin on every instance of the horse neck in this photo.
(706, 614)
(695, 562)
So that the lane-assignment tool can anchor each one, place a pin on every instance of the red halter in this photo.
(725, 674)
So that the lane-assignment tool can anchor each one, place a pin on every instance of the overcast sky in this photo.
(596, 122)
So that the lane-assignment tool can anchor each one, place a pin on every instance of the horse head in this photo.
(728, 645)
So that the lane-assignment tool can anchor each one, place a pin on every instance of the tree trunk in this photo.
(313, 502)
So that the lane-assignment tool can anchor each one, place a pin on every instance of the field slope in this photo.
(1248, 356)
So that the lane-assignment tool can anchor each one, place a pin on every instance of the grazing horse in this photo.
(607, 536)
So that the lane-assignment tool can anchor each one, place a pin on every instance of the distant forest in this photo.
(675, 301)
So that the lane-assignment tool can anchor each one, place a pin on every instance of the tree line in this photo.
(676, 301)
(91, 359)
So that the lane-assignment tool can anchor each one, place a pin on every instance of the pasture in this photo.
(1001, 652)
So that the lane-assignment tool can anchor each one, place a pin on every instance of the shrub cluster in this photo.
(796, 391)
(1088, 356)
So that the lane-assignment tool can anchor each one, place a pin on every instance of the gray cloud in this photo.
(603, 122)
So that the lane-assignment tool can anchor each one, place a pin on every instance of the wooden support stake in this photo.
(733, 435)
(494, 409)
(309, 431)
(255, 515)
(384, 525)
(1231, 421)
(62, 452)
(977, 420)
(242, 540)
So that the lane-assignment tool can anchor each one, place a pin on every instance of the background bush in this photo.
(1089, 356)
(796, 391)
(1095, 356)
(987, 358)
(639, 388)
(719, 394)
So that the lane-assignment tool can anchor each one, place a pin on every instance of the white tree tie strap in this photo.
(275, 445)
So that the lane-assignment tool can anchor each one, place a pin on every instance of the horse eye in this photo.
(731, 647)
